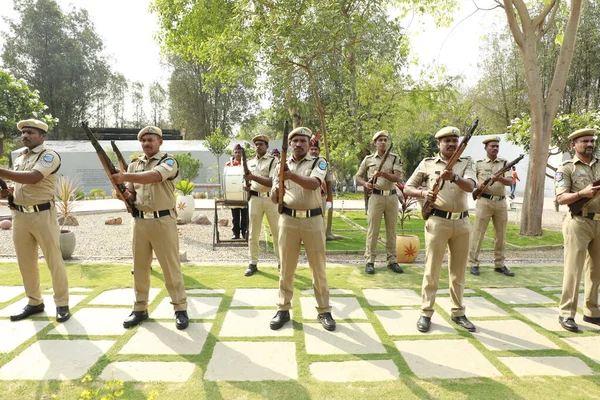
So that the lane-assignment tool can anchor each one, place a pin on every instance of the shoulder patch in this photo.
(170, 162)
(47, 160)
(558, 176)
(322, 165)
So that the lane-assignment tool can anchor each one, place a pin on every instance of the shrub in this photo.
(184, 186)
(97, 193)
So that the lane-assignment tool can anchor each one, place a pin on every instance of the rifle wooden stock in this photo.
(120, 158)
(577, 207)
(246, 171)
(110, 169)
(373, 180)
(282, 167)
(10, 197)
(428, 205)
(489, 181)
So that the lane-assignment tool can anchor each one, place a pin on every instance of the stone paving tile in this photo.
(511, 335)
(446, 359)
(93, 321)
(252, 323)
(255, 298)
(50, 309)
(10, 292)
(355, 371)
(475, 307)
(332, 292)
(55, 359)
(121, 297)
(447, 291)
(558, 366)
(148, 371)
(165, 338)
(348, 338)
(392, 297)
(590, 346)
(547, 318)
(72, 290)
(252, 361)
(518, 296)
(198, 307)
(205, 291)
(16, 333)
(557, 288)
(404, 322)
(341, 308)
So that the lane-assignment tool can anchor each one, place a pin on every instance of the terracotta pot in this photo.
(185, 207)
(407, 247)
(67, 243)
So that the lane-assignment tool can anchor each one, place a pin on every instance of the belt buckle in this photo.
(455, 216)
(596, 217)
(304, 214)
(147, 215)
(28, 209)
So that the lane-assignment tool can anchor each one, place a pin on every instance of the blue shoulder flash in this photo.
(322, 165)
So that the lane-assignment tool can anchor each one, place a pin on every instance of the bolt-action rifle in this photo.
(373, 180)
(283, 166)
(489, 181)
(246, 172)
(577, 206)
(9, 196)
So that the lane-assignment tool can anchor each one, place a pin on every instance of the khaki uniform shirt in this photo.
(487, 168)
(574, 175)
(155, 196)
(450, 197)
(296, 197)
(265, 167)
(47, 162)
(369, 166)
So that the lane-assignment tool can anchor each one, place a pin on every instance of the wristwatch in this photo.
(454, 178)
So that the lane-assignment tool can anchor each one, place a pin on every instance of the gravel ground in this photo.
(97, 242)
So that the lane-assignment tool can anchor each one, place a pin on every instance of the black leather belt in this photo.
(302, 213)
(259, 194)
(384, 192)
(449, 215)
(32, 209)
(150, 215)
(495, 198)
(592, 216)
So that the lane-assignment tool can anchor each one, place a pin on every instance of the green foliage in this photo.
(407, 207)
(67, 192)
(134, 155)
(113, 389)
(217, 142)
(112, 156)
(413, 148)
(184, 186)
(188, 166)
(97, 193)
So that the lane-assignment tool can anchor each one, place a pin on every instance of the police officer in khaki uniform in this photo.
(239, 215)
(326, 187)
(383, 201)
(262, 168)
(574, 181)
(301, 223)
(447, 226)
(152, 183)
(491, 204)
(34, 221)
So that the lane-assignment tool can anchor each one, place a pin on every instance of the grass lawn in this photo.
(408, 386)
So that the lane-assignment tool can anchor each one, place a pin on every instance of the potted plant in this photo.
(67, 193)
(184, 201)
(407, 246)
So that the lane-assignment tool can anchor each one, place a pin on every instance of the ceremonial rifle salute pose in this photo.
(301, 222)
(448, 225)
(491, 204)
(383, 201)
(262, 168)
(151, 178)
(34, 221)
(578, 179)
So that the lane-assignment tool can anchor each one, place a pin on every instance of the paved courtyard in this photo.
(517, 335)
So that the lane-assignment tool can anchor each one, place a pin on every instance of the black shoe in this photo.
(181, 319)
(251, 270)
(27, 311)
(396, 268)
(280, 319)
(234, 237)
(592, 320)
(135, 318)
(569, 324)
(504, 271)
(424, 323)
(464, 322)
(475, 270)
(327, 321)
(62, 313)
(370, 268)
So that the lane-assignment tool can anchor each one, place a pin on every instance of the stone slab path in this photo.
(517, 335)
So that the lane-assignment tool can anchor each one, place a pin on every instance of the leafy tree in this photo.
(217, 143)
(158, 101)
(137, 102)
(188, 166)
(118, 87)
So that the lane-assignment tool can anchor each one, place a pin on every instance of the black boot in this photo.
(135, 318)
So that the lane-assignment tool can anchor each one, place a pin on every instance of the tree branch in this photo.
(511, 17)
(538, 21)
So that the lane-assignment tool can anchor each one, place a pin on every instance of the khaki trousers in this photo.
(258, 207)
(485, 210)
(292, 233)
(439, 234)
(386, 206)
(160, 235)
(582, 247)
(31, 230)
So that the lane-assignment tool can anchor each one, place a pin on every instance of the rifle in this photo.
(488, 182)
(282, 166)
(10, 197)
(246, 172)
(428, 205)
(373, 180)
(122, 162)
(577, 206)
(110, 169)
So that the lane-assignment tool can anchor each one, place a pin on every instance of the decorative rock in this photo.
(201, 220)
(5, 224)
(223, 222)
(183, 256)
(71, 221)
(180, 221)
(114, 221)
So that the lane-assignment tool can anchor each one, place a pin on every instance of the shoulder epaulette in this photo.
(567, 162)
